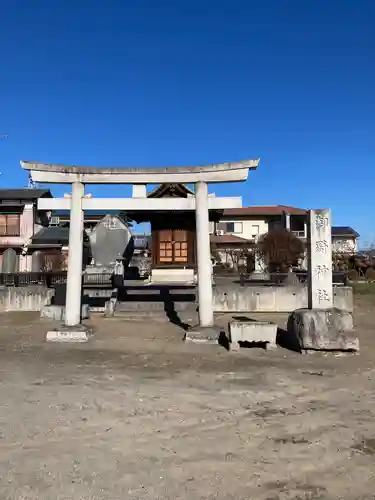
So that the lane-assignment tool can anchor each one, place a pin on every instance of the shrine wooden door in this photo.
(173, 247)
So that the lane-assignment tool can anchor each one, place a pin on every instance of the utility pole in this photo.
(31, 184)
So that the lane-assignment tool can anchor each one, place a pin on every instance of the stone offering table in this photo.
(243, 329)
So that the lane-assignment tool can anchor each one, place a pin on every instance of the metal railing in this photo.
(51, 279)
(32, 278)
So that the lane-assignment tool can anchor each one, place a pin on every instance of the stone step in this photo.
(157, 291)
(189, 317)
(153, 306)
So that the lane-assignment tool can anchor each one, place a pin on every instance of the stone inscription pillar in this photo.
(320, 293)
(206, 315)
(74, 285)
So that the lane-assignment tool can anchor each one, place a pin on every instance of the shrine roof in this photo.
(344, 231)
(171, 189)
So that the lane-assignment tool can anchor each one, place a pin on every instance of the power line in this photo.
(31, 184)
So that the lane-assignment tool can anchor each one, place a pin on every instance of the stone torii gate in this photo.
(139, 178)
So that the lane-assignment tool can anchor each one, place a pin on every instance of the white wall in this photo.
(342, 244)
(248, 228)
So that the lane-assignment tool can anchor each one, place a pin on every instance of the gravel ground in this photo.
(137, 413)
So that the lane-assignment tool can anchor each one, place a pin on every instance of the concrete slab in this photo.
(246, 330)
(69, 334)
(203, 335)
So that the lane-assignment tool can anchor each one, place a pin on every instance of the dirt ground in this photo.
(137, 413)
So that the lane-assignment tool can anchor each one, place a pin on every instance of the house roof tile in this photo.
(223, 239)
(344, 231)
(24, 194)
(265, 210)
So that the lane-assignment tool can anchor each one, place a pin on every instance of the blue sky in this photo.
(175, 82)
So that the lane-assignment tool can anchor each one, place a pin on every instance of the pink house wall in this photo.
(27, 230)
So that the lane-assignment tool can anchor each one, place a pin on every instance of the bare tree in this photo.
(51, 261)
(280, 250)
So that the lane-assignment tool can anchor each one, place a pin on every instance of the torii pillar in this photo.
(73, 330)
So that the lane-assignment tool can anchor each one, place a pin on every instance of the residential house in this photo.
(20, 220)
(241, 228)
(250, 223)
(344, 239)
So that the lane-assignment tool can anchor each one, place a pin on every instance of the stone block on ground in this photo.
(203, 335)
(69, 334)
(323, 329)
(57, 313)
(243, 329)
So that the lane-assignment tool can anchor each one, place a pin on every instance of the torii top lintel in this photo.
(65, 174)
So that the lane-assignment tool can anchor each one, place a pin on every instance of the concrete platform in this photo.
(181, 276)
(244, 329)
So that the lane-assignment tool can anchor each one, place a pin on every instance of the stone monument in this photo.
(111, 250)
(10, 261)
(321, 326)
(112, 247)
(320, 260)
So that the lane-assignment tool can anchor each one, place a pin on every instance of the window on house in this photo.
(9, 224)
(233, 227)
(55, 221)
(297, 225)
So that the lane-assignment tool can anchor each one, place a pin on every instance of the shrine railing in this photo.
(51, 279)
(276, 279)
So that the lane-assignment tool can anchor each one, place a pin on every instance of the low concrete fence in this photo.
(236, 298)
(28, 298)
(226, 298)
